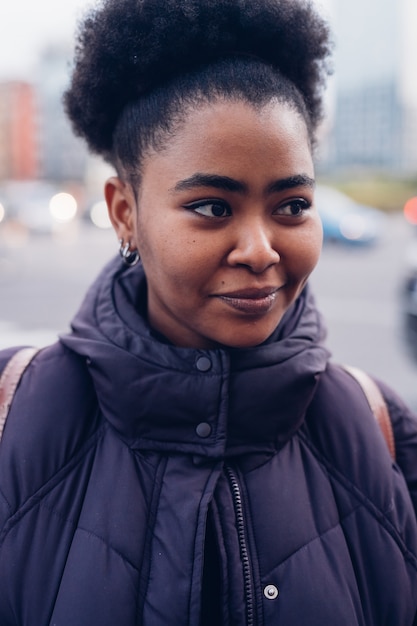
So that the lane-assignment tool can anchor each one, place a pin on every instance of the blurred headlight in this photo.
(63, 207)
(99, 215)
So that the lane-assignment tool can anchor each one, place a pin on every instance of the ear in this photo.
(121, 206)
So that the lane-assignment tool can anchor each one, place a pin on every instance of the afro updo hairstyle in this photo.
(140, 63)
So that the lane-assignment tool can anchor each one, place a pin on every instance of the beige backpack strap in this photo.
(377, 403)
(10, 378)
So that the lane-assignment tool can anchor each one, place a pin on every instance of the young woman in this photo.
(188, 455)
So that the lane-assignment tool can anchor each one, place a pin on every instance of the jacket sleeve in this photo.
(404, 423)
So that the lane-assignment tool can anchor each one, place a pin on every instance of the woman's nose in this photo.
(253, 247)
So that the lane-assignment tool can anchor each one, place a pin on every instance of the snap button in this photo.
(271, 592)
(203, 430)
(203, 364)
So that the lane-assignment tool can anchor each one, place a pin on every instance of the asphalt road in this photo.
(43, 279)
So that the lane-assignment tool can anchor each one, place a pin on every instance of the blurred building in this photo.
(36, 140)
(374, 111)
(18, 131)
(370, 128)
(62, 155)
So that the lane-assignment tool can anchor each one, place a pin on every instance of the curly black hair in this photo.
(139, 62)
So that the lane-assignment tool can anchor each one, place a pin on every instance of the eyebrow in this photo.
(226, 183)
(299, 180)
(210, 180)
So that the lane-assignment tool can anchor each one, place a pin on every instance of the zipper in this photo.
(244, 551)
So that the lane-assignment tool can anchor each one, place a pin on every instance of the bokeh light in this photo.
(63, 207)
(99, 215)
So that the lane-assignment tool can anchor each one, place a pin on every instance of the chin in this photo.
(253, 334)
(250, 340)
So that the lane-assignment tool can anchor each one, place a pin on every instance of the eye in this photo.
(293, 208)
(210, 208)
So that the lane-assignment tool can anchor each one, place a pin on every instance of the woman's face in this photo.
(225, 224)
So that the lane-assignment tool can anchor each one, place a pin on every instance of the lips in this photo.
(252, 301)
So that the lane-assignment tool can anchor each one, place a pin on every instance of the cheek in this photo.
(315, 244)
(316, 240)
(170, 256)
(307, 249)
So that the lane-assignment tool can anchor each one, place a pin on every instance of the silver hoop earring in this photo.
(130, 257)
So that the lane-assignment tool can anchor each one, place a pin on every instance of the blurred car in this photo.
(346, 221)
(38, 206)
(409, 286)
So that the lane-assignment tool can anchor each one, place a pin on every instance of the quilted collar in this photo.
(213, 403)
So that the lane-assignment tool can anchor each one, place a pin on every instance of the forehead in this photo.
(229, 136)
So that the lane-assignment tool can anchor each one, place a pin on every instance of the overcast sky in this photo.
(25, 27)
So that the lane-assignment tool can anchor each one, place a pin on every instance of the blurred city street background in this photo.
(53, 232)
